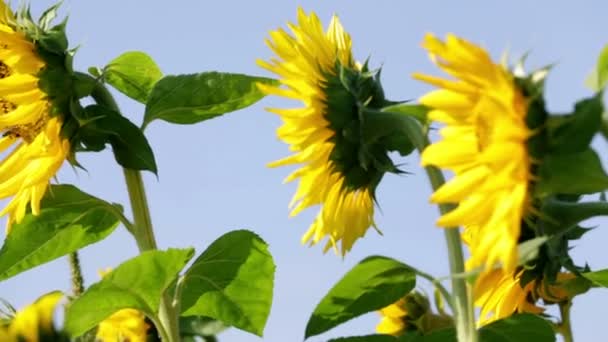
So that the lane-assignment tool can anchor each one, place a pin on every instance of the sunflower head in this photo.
(340, 164)
(35, 322)
(485, 145)
(411, 313)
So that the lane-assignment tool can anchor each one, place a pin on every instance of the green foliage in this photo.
(599, 278)
(572, 173)
(129, 144)
(134, 74)
(366, 338)
(69, 220)
(231, 281)
(524, 327)
(573, 133)
(137, 283)
(188, 99)
(418, 111)
(517, 328)
(372, 284)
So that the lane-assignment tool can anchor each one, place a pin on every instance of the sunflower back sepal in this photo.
(48, 38)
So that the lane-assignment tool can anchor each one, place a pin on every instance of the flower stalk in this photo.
(142, 230)
(461, 300)
(564, 327)
(76, 274)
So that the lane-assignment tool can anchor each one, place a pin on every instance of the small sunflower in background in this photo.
(484, 143)
(32, 143)
(338, 170)
(126, 325)
(34, 323)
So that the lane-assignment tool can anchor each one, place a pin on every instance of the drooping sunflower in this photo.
(31, 141)
(323, 134)
(484, 144)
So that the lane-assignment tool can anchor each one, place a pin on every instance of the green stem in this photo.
(564, 327)
(76, 274)
(142, 230)
(437, 283)
(462, 298)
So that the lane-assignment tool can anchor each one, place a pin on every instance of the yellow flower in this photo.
(393, 319)
(484, 144)
(126, 325)
(35, 321)
(308, 63)
(31, 141)
(499, 295)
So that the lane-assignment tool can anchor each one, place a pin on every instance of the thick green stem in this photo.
(564, 328)
(167, 324)
(76, 274)
(461, 294)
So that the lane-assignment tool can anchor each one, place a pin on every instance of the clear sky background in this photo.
(213, 178)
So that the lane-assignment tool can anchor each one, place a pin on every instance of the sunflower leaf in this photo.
(69, 220)
(231, 281)
(372, 284)
(137, 283)
(366, 338)
(572, 173)
(129, 144)
(573, 133)
(599, 278)
(189, 99)
(524, 327)
(134, 74)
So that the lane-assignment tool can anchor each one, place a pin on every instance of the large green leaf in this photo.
(129, 144)
(188, 99)
(134, 74)
(372, 284)
(366, 338)
(517, 328)
(599, 278)
(231, 281)
(137, 283)
(69, 220)
(572, 173)
(573, 133)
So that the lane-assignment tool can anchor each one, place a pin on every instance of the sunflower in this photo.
(484, 144)
(393, 319)
(33, 146)
(35, 322)
(323, 133)
(126, 325)
(500, 294)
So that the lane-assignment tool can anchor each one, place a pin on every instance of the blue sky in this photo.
(213, 178)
